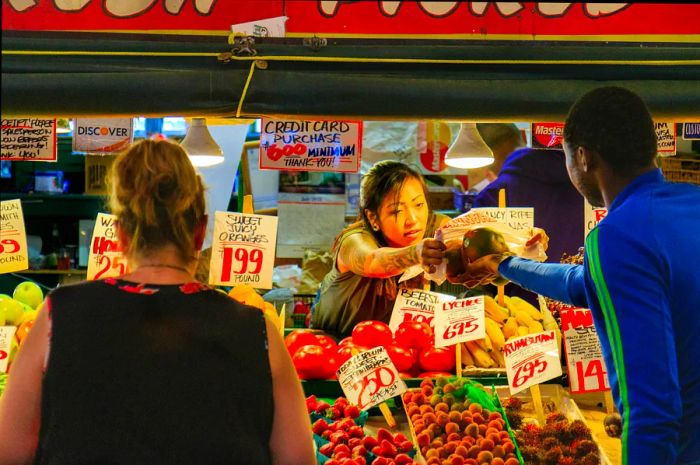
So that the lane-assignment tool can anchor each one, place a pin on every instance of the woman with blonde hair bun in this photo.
(153, 367)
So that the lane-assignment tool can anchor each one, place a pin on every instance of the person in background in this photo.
(502, 139)
(393, 232)
(538, 178)
(639, 277)
(153, 367)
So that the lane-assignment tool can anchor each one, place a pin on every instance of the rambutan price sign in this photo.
(531, 360)
(369, 378)
(243, 250)
(460, 320)
(584, 359)
(13, 240)
(6, 334)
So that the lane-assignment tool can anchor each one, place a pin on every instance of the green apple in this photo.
(14, 311)
(28, 292)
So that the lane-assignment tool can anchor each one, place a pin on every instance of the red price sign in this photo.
(584, 359)
(369, 378)
(420, 317)
(106, 259)
(416, 305)
(274, 152)
(13, 239)
(3, 355)
(459, 320)
(243, 251)
(110, 266)
(531, 359)
(9, 246)
(6, 335)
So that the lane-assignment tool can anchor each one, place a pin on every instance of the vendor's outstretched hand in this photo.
(481, 271)
(430, 254)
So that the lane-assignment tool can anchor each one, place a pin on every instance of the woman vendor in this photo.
(393, 232)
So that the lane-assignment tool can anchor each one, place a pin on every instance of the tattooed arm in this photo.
(360, 254)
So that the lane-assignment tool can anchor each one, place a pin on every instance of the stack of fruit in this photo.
(452, 427)
(20, 310)
(517, 318)
(341, 439)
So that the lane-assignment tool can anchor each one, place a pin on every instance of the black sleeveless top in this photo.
(154, 374)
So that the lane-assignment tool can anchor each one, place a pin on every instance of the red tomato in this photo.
(299, 338)
(437, 359)
(311, 362)
(327, 342)
(403, 359)
(346, 340)
(435, 374)
(413, 334)
(372, 333)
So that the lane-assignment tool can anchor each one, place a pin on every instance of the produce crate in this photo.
(677, 169)
(96, 169)
(306, 299)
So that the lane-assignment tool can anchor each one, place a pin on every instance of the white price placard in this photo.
(13, 239)
(592, 216)
(6, 334)
(243, 250)
(28, 139)
(416, 305)
(665, 138)
(105, 259)
(369, 378)
(297, 145)
(584, 359)
(518, 219)
(460, 320)
(531, 359)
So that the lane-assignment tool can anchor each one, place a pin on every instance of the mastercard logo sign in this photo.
(547, 135)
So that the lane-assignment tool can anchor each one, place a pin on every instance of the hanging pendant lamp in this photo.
(468, 150)
(200, 145)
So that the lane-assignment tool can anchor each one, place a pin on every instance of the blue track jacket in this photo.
(641, 280)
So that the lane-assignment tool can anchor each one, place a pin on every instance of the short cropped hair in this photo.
(615, 123)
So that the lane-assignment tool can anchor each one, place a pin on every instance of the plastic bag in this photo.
(452, 234)
(288, 276)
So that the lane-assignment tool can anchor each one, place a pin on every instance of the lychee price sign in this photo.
(460, 320)
(416, 305)
(105, 259)
(6, 334)
(584, 359)
(531, 359)
(13, 238)
(243, 250)
(369, 378)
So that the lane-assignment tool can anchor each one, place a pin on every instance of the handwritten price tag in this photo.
(416, 305)
(28, 139)
(531, 359)
(6, 333)
(369, 378)
(518, 219)
(243, 251)
(105, 259)
(460, 320)
(584, 359)
(13, 239)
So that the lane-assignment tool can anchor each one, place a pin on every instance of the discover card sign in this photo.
(310, 145)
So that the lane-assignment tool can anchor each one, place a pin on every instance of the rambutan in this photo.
(552, 456)
(529, 452)
(555, 417)
(514, 419)
(557, 430)
(566, 461)
(590, 459)
(585, 447)
(549, 443)
(513, 403)
(579, 430)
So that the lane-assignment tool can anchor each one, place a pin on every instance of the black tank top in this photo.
(154, 374)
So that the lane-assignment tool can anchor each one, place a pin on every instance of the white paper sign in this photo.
(106, 259)
(584, 359)
(6, 334)
(592, 216)
(310, 145)
(102, 135)
(369, 378)
(460, 320)
(518, 219)
(28, 139)
(13, 239)
(665, 138)
(243, 250)
(416, 305)
(268, 27)
(531, 359)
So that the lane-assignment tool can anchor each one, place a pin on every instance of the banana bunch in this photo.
(516, 319)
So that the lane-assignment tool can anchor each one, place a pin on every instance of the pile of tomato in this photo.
(411, 349)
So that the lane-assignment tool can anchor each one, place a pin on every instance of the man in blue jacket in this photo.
(640, 277)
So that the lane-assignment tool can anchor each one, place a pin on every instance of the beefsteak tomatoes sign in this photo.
(531, 359)
(369, 378)
(243, 251)
(13, 240)
(310, 145)
(460, 320)
(416, 305)
(584, 360)
(106, 259)
(6, 334)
